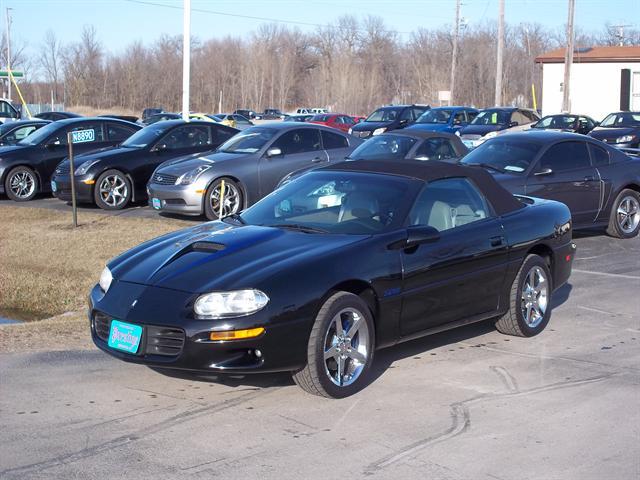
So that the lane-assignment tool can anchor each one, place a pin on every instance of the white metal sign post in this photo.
(70, 137)
(186, 58)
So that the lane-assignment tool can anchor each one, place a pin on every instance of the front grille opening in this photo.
(102, 325)
(165, 341)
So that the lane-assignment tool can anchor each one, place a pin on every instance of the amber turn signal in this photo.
(237, 334)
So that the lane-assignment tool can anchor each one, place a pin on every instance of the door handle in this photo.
(497, 241)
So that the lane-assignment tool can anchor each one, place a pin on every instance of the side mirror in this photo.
(52, 145)
(543, 172)
(417, 235)
(404, 121)
(513, 124)
(274, 152)
(161, 147)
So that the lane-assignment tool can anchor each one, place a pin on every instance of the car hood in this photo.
(481, 130)
(610, 132)
(219, 256)
(369, 126)
(430, 127)
(101, 154)
(178, 166)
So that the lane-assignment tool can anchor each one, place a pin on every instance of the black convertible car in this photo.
(349, 258)
(27, 166)
(113, 177)
(599, 184)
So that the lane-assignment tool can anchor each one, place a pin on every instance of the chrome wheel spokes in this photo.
(113, 190)
(22, 184)
(535, 296)
(628, 214)
(230, 203)
(346, 347)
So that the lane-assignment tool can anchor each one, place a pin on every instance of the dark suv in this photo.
(272, 114)
(388, 118)
(250, 114)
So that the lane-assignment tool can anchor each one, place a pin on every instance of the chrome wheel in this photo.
(628, 214)
(22, 184)
(230, 202)
(535, 297)
(113, 190)
(346, 347)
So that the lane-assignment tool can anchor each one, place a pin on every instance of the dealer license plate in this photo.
(156, 203)
(125, 336)
(54, 187)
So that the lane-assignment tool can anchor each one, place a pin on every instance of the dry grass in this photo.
(92, 112)
(47, 268)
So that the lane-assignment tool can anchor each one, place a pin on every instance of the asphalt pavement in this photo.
(465, 404)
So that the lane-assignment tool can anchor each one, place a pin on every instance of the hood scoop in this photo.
(206, 247)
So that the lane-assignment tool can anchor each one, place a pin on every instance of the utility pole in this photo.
(186, 58)
(8, 18)
(568, 60)
(454, 55)
(620, 33)
(498, 96)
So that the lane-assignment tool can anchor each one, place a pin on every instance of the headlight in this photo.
(230, 304)
(625, 139)
(105, 279)
(82, 169)
(378, 131)
(351, 131)
(190, 177)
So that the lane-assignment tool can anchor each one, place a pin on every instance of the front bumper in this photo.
(170, 339)
(61, 188)
(184, 199)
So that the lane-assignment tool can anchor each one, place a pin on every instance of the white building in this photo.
(603, 80)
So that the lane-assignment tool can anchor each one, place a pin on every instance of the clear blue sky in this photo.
(119, 22)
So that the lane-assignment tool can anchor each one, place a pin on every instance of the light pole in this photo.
(8, 19)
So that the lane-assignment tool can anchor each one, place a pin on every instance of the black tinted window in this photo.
(599, 155)
(221, 134)
(186, 136)
(566, 156)
(435, 149)
(333, 140)
(299, 141)
(118, 133)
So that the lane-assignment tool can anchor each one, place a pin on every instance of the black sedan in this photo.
(599, 184)
(388, 118)
(12, 132)
(113, 177)
(411, 144)
(332, 266)
(55, 116)
(567, 123)
(26, 167)
(620, 129)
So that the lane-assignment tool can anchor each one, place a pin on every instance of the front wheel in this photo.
(624, 220)
(21, 184)
(529, 300)
(340, 349)
(222, 201)
(112, 190)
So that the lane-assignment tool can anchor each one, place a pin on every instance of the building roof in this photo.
(593, 55)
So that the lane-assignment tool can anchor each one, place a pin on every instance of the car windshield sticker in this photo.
(83, 136)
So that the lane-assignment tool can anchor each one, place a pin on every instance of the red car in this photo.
(335, 120)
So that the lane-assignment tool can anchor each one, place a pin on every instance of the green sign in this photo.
(15, 73)
(83, 136)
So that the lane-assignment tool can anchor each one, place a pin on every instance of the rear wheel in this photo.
(624, 220)
(21, 184)
(340, 349)
(529, 300)
(230, 197)
(112, 190)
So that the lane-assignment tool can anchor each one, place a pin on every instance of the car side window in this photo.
(471, 116)
(407, 114)
(92, 133)
(459, 118)
(20, 133)
(219, 134)
(118, 133)
(565, 156)
(186, 136)
(599, 156)
(347, 120)
(519, 117)
(299, 141)
(417, 112)
(332, 140)
(436, 148)
(449, 203)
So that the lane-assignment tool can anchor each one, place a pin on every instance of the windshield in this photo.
(391, 147)
(491, 117)
(41, 134)
(353, 203)
(557, 121)
(630, 119)
(146, 136)
(504, 154)
(435, 115)
(384, 115)
(249, 141)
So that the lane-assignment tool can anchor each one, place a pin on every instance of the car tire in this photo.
(112, 190)
(624, 219)
(233, 201)
(21, 184)
(339, 358)
(529, 300)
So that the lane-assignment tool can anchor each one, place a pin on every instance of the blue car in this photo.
(445, 119)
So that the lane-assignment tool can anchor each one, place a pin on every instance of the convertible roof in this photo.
(428, 171)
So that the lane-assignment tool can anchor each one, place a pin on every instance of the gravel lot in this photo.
(465, 404)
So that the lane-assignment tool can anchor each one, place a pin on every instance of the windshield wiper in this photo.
(236, 217)
(487, 165)
(296, 226)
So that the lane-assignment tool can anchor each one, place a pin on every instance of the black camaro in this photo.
(26, 167)
(113, 177)
(599, 184)
(316, 276)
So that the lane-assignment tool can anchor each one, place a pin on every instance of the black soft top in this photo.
(502, 200)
